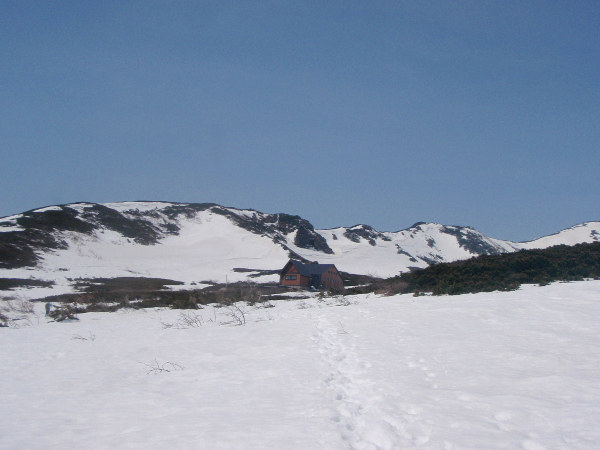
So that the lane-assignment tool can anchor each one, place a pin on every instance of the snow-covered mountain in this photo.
(195, 242)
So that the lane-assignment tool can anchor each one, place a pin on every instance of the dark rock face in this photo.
(17, 251)
(65, 219)
(276, 226)
(471, 241)
(20, 248)
(365, 232)
(404, 252)
(138, 229)
(189, 210)
(42, 231)
(308, 238)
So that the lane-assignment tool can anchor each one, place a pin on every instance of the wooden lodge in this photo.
(311, 275)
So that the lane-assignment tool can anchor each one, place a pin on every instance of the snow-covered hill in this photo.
(503, 370)
(196, 242)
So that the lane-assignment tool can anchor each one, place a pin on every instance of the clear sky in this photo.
(474, 113)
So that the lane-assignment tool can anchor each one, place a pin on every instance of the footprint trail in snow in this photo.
(359, 410)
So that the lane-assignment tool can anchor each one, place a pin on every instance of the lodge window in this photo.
(290, 277)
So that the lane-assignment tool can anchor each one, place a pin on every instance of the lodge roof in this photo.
(310, 269)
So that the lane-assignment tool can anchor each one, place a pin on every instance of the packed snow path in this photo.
(364, 418)
(495, 371)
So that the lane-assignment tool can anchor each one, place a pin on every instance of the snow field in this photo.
(491, 370)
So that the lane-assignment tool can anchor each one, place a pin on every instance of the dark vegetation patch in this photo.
(190, 299)
(112, 294)
(352, 279)
(498, 272)
(112, 300)
(123, 284)
(256, 273)
(288, 296)
(11, 283)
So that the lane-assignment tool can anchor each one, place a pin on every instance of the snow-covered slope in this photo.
(585, 232)
(361, 249)
(510, 370)
(185, 242)
(207, 242)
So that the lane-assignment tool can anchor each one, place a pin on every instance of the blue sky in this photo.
(474, 113)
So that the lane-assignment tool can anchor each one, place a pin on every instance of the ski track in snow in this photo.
(362, 420)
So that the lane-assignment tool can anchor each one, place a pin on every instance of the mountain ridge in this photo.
(196, 242)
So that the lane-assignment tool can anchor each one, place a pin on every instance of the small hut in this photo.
(313, 274)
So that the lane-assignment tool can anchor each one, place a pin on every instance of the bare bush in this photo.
(264, 305)
(21, 306)
(90, 337)
(304, 305)
(321, 296)
(250, 295)
(186, 320)
(167, 325)
(156, 367)
(391, 287)
(190, 319)
(341, 329)
(16, 313)
(340, 300)
(236, 313)
(64, 312)
(213, 319)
